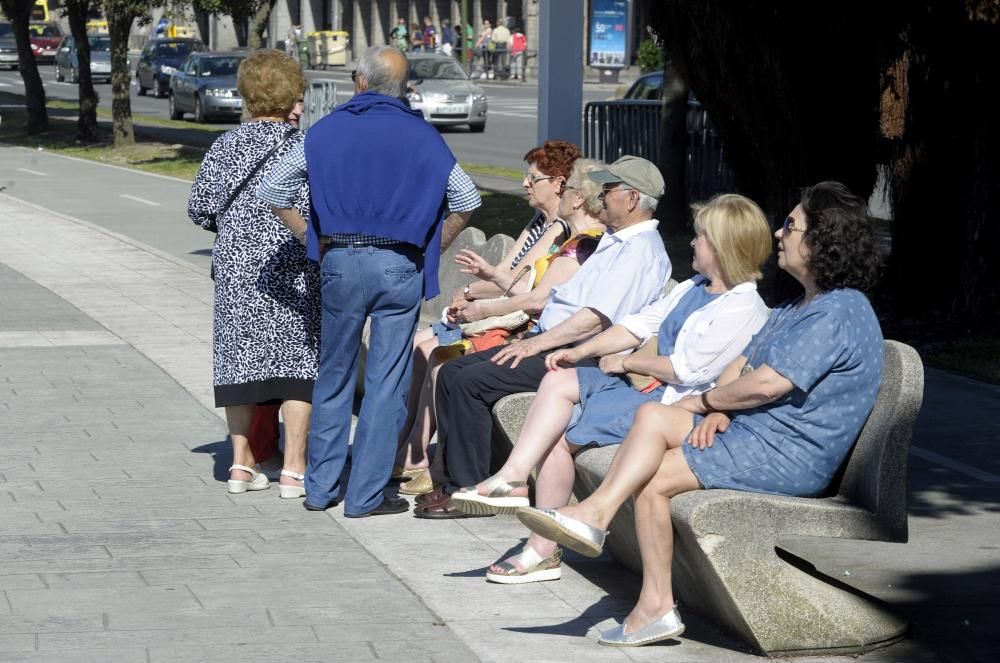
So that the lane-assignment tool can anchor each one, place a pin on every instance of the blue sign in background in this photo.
(608, 32)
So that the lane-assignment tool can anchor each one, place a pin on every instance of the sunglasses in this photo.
(612, 187)
(534, 178)
(789, 225)
(354, 75)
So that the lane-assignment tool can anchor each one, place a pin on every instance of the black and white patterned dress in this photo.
(267, 301)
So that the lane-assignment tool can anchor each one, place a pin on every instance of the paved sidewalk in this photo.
(118, 541)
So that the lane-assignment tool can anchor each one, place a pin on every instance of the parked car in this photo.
(45, 38)
(8, 47)
(100, 59)
(441, 90)
(159, 60)
(648, 87)
(205, 85)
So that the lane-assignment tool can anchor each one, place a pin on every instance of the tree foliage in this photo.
(802, 92)
(19, 12)
(254, 12)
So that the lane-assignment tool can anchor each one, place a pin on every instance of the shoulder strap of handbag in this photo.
(246, 180)
(518, 277)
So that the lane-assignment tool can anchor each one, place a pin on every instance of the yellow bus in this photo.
(40, 11)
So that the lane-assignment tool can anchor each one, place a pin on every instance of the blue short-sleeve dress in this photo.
(608, 403)
(831, 350)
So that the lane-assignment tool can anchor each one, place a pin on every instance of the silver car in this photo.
(100, 59)
(441, 90)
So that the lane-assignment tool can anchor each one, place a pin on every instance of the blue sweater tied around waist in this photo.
(377, 167)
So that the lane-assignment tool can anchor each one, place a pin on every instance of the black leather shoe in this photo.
(389, 506)
(312, 507)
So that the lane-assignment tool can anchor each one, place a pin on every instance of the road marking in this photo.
(32, 172)
(139, 200)
(961, 468)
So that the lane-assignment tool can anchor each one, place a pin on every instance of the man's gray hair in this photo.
(647, 203)
(379, 77)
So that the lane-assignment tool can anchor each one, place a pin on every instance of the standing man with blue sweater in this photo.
(378, 226)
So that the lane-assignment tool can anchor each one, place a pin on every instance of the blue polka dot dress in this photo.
(831, 350)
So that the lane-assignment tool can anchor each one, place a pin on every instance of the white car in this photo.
(441, 90)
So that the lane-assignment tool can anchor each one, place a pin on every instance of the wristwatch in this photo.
(466, 291)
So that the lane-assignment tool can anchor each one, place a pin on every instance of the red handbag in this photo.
(264, 432)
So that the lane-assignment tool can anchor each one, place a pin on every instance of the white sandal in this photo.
(498, 498)
(291, 492)
(536, 568)
(258, 481)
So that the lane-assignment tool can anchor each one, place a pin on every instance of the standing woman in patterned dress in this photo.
(267, 307)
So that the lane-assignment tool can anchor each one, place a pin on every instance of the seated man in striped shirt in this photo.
(382, 223)
(626, 272)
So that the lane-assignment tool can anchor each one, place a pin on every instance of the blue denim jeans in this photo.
(385, 284)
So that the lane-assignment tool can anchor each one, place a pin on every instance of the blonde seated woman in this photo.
(697, 329)
(580, 208)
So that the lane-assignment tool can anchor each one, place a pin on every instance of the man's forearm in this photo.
(452, 226)
(292, 220)
(581, 325)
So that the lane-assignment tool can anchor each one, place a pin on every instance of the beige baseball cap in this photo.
(636, 172)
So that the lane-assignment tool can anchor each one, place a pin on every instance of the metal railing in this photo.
(612, 129)
(320, 98)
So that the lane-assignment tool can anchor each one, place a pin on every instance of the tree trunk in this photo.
(86, 128)
(240, 28)
(34, 93)
(673, 208)
(201, 20)
(119, 26)
(258, 23)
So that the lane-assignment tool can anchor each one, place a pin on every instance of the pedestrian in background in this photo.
(377, 229)
(482, 47)
(266, 314)
(416, 38)
(447, 37)
(500, 47)
(400, 36)
(430, 35)
(518, 46)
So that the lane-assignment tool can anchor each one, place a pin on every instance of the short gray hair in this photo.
(647, 203)
(379, 77)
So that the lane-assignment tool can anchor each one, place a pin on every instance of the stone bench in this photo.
(728, 563)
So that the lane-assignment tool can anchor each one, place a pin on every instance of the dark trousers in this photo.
(467, 390)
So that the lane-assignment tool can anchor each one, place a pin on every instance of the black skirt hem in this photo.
(273, 390)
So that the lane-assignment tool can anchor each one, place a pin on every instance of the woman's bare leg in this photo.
(542, 432)
(656, 428)
(553, 487)
(413, 451)
(655, 533)
(296, 417)
(416, 400)
(238, 418)
(424, 343)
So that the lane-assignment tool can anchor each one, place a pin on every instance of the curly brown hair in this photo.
(554, 157)
(270, 83)
(843, 253)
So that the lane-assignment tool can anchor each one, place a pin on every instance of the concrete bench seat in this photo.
(729, 564)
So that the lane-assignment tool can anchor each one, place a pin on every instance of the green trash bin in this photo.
(304, 54)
